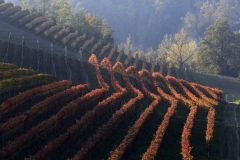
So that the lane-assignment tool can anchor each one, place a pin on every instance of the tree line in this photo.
(194, 34)
(61, 12)
(148, 21)
(218, 52)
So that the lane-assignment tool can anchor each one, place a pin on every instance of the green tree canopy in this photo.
(180, 51)
(218, 53)
(61, 11)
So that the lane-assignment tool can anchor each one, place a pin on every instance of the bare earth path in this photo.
(230, 149)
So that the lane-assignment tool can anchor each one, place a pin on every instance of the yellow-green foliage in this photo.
(5, 6)
(77, 40)
(11, 11)
(69, 36)
(85, 45)
(27, 18)
(237, 99)
(96, 46)
(61, 33)
(36, 21)
(44, 25)
(19, 14)
(48, 32)
(7, 66)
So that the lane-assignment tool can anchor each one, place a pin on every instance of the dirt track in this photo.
(230, 149)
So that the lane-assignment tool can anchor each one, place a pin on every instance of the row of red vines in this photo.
(148, 76)
(13, 103)
(177, 95)
(73, 133)
(40, 133)
(216, 90)
(93, 60)
(88, 119)
(27, 118)
(152, 150)
(207, 90)
(106, 130)
(165, 96)
(186, 133)
(134, 130)
(211, 112)
(198, 101)
(117, 87)
(210, 124)
(81, 125)
(203, 96)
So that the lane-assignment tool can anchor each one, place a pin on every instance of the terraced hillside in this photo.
(128, 114)
(82, 109)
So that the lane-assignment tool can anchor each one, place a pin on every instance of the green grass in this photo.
(237, 101)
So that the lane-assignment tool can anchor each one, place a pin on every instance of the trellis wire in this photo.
(80, 60)
(6, 55)
(38, 56)
(23, 43)
(53, 69)
(67, 65)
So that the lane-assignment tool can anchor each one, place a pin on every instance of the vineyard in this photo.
(130, 115)
(67, 103)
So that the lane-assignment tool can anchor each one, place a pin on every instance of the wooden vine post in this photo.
(113, 50)
(144, 62)
(153, 65)
(161, 66)
(169, 69)
(136, 60)
(104, 49)
(128, 58)
(120, 55)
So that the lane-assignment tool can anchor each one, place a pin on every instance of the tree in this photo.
(181, 51)
(217, 53)
(150, 53)
(164, 47)
(42, 6)
(190, 24)
(78, 20)
(61, 11)
(65, 13)
(205, 16)
(228, 9)
(128, 45)
(25, 4)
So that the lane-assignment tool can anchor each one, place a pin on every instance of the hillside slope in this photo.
(229, 85)
(125, 114)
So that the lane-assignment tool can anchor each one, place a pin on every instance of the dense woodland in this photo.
(197, 34)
